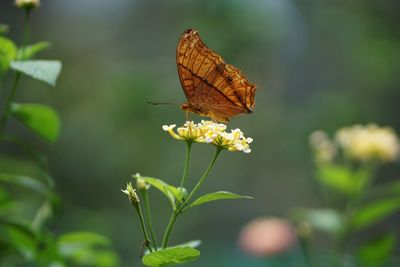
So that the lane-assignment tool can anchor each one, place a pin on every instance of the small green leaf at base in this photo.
(171, 256)
(41, 119)
(43, 70)
(192, 244)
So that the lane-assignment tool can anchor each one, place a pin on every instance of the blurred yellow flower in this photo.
(368, 142)
(212, 133)
(324, 148)
(27, 3)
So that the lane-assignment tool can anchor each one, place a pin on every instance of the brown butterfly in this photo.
(212, 87)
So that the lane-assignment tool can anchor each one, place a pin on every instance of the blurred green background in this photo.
(316, 64)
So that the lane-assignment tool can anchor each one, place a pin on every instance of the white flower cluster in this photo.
(211, 133)
(358, 142)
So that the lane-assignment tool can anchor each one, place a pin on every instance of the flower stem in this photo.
(205, 175)
(146, 236)
(148, 217)
(17, 77)
(169, 228)
(187, 161)
(181, 207)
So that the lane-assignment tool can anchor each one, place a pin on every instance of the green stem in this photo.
(181, 207)
(169, 228)
(25, 40)
(148, 217)
(187, 160)
(203, 178)
(146, 236)
(17, 77)
(6, 110)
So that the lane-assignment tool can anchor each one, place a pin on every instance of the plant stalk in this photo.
(148, 217)
(169, 228)
(187, 161)
(146, 236)
(205, 175)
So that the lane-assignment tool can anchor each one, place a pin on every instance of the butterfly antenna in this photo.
(161, 103)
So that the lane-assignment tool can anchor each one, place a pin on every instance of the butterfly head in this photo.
(189, 32)
(185, 107)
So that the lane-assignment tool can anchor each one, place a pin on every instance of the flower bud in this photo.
(27, 4)
(184, 192)
(133, 197)
(142, 185)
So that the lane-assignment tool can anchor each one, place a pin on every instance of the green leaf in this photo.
(25, 181)
(41, 119)
(87, 249)
(30, 51)
(21, 239)
(19, 226)
(43, 70)
(343, 179)
(171, 192)
(216, 196)
(378, 251)
(84, 238)
(374, 212)
(8, 52)
(171, 256)
(192, 244)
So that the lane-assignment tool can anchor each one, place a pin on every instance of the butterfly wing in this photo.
(219, 88)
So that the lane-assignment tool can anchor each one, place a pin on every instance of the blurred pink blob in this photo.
(267, 236)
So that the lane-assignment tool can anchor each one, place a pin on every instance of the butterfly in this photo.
(212, 87)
